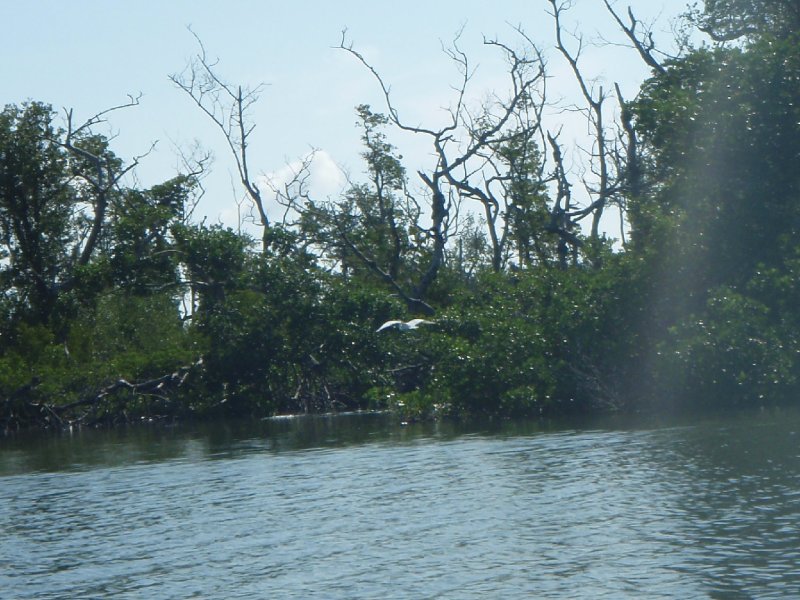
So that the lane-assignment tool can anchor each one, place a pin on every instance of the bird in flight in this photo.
(404, 325)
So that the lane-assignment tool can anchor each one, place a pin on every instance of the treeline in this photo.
(115, 305)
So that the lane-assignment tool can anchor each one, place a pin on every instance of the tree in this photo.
(58, 186)
(228, 106)
(595, 115)
(528, 225)
(37, 222)
(722, 131)
(728, 20)
(487, 156)
(214, 262)
(719, 137)
(371, 229)
(88, 275)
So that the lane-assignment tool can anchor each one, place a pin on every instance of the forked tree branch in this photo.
(645, 46)
(227, 106)
(104, 174)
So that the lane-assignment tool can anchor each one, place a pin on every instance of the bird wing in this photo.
(414, 323)
(388, 324)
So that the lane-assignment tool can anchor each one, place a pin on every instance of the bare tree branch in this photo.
(195, 163)
(468, 147)
(599, 155)
(646, 45)
(560, 222)
(228, 107)
(105, 173)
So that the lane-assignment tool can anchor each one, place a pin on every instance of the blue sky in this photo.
(89, 54)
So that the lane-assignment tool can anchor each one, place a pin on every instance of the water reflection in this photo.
(361, 507)
(147, 443)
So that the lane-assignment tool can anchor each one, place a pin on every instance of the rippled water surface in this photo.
(361, 507)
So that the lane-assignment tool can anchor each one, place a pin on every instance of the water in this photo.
(361, 507)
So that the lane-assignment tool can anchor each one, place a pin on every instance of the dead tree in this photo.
(469, 151)
(560, 222)
(645, 44)
(631, 183)
(441, 202)
(228, 106)
(629, 161)
(603, 190)
(500, 141)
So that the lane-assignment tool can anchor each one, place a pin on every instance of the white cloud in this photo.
(327, 177)
(324, 179)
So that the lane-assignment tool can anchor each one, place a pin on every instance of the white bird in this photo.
(404, 326)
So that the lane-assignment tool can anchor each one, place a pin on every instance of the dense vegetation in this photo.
(115, 305)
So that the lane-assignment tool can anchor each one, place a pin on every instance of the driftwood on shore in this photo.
(110, 404)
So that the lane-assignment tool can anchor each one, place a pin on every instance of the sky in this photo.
(89, 55)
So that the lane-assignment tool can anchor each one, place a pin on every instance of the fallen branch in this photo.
(20, 410)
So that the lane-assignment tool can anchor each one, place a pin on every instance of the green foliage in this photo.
(215, 262)
(724, 131)
(129, 336)
(542, 341)
(728, 20)
(123, 337)
(699, 310)
(36, 210)
(375, 221)
(140, 252)
(290, 340)
(528, 203)
(730, 355)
